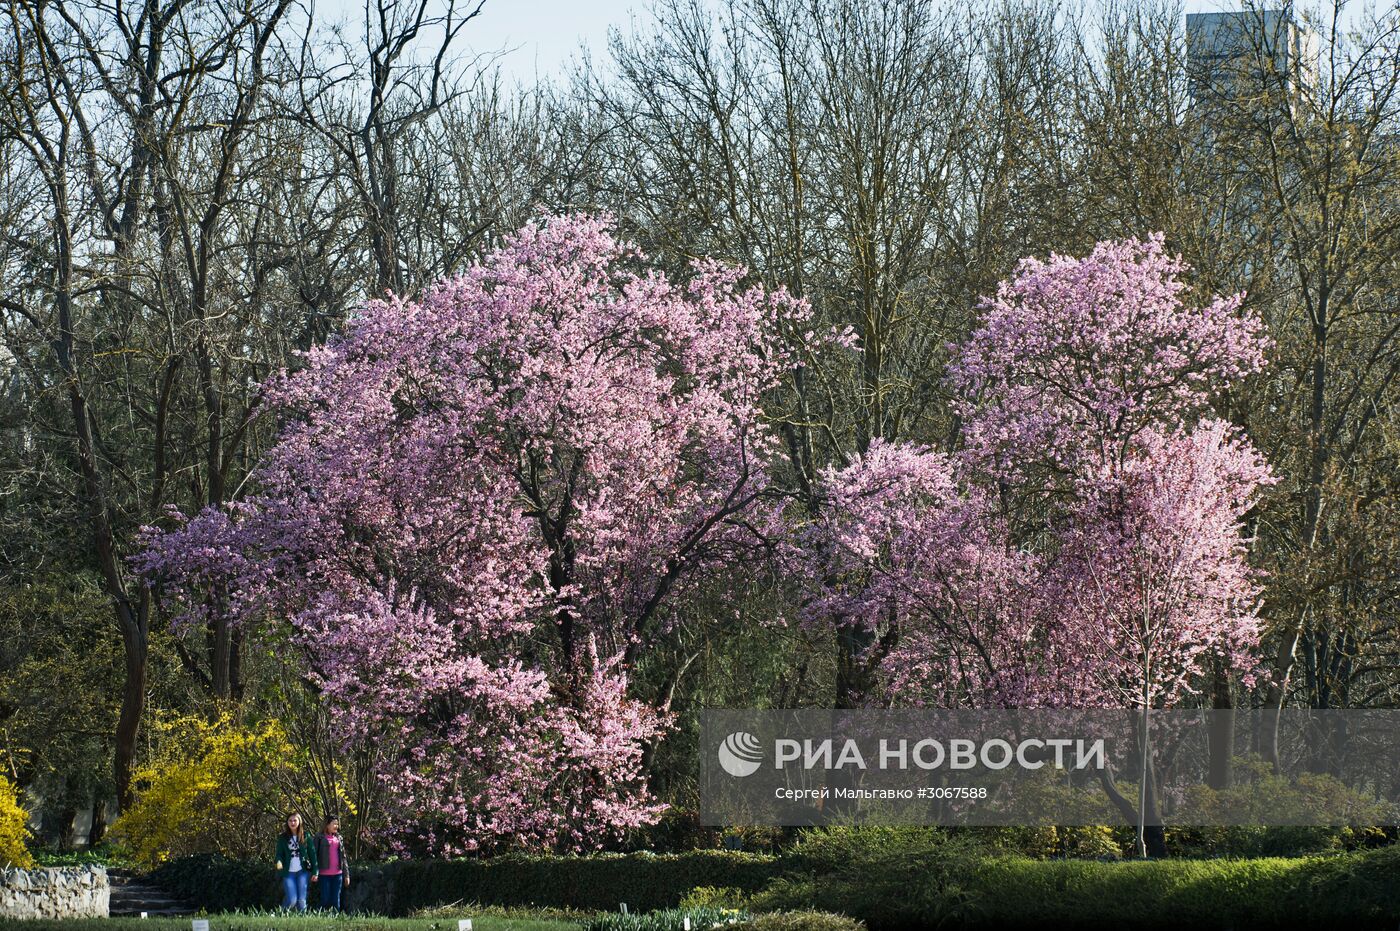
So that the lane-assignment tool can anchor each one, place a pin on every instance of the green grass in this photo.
(272, 921)
(102, 855)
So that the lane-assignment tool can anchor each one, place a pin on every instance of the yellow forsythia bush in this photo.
(14, 828)
(212, 787)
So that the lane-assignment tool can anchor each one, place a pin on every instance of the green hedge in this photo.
(596, 883)
(644, 881)
(950, 888)
(215, 883)
(888, 877)
(892, 880)
(1355, 891)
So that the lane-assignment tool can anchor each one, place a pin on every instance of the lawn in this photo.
(267, 921)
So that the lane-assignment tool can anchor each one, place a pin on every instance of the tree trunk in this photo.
(131, 619)
(1144, 793)
(67, 819)
(1154, 834)
(221, 655)
(97, 830)
(1318, 457)
(853, 644)
(129, 721)
(1221, 772)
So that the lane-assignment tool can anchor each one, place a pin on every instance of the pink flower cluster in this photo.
(479, 508)
(1076, 357)
(1087, 547)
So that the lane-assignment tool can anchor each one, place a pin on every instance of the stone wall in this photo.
(69, 892)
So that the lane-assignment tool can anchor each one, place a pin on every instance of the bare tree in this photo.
(137, 121)
(1309, 121)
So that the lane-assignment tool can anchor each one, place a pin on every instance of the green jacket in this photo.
(308, 853)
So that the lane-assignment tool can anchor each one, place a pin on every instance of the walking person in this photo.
(335, 872)
(296, 861)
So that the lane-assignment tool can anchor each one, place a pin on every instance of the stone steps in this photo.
(130, 897)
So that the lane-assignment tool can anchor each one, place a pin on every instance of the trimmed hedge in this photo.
(215, 883)
(888, 877)
(892, 881)
(1356, 891)
(644, 881)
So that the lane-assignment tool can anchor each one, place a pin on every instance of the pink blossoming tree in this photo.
(479, 509)
(1083, 391)
(1154, 564)
(1087, 546)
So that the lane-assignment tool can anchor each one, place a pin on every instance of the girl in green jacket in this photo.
(296, 860)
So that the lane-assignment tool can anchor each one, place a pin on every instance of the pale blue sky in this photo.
(542, 36)
(535, 36)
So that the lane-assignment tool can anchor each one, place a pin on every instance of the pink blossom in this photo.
(1076, 357)
(479, 507)
(1087, 545)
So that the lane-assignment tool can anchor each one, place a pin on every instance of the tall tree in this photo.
(480, 509)
(1086, 548)
(1308, 116)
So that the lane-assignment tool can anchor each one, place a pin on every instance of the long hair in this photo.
(301, 828)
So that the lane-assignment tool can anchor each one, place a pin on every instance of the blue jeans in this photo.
(294, 889)
(331, 887)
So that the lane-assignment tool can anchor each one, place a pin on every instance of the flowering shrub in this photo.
(1074, 842)
(14, 828)
(211, 787)
(800, 921)
(701, 918)
(720, 897)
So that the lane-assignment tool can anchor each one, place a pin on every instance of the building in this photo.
(1238, 54)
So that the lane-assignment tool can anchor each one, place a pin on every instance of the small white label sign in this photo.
(464, 924)
(199, 924)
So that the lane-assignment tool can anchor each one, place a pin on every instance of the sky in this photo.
(541, 37)
(532, 37)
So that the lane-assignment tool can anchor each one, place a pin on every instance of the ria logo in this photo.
(740, 754)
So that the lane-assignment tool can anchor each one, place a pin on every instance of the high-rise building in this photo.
(1235, 54)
